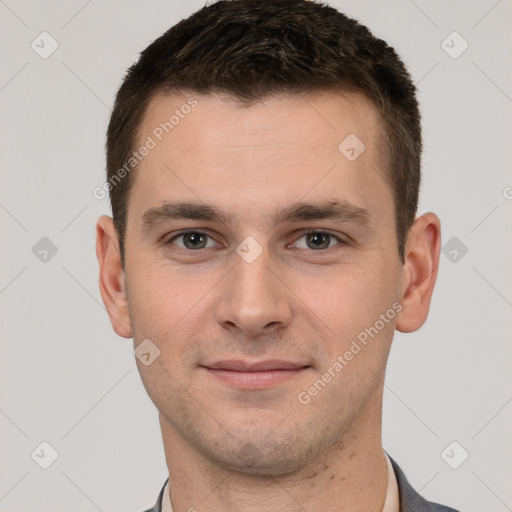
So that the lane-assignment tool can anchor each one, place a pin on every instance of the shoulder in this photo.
(410, 500)
(158, 505)
(441, 508)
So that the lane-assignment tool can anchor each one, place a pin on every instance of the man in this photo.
(263, 161)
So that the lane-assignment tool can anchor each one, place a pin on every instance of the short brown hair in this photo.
(250, 49)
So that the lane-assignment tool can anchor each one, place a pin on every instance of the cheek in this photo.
(351, 297)
(351, 306)
(155, 299)
(165, 302)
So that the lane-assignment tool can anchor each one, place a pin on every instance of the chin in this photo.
(261, 458)
(263, 467)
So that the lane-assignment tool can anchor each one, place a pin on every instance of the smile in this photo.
(259, 375)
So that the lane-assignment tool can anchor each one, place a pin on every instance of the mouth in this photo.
(254, 375)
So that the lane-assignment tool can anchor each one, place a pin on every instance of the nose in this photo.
(253, 298)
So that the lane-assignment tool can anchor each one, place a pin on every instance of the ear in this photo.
(112, 277)
(419, 272)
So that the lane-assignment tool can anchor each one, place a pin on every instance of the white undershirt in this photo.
(391, 503)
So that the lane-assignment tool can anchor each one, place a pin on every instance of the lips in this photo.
(258, 366)
(254, 375)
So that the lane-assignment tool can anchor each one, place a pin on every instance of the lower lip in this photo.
(254, 380)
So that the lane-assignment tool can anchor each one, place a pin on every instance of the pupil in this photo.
(323, 237)
(194, 238)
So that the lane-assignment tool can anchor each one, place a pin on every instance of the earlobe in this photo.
(419, 272)
(112, 277)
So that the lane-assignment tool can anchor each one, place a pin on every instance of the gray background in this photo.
(66, 378)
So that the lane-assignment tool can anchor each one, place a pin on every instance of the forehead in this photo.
(214, 117)
(214, 147)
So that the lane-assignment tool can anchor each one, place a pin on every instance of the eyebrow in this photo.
(326, 210)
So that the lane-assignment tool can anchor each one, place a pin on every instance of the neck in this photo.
(349, 477)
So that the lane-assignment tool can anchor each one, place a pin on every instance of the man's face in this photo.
(254, 286)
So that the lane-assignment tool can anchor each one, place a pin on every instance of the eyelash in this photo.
(302, 234)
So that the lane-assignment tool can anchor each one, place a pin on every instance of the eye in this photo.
(192, 240)
(313, 240)
(319, 240)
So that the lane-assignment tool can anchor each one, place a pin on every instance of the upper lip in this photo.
(258, 366)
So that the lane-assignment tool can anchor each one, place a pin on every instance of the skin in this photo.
(243, 449)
